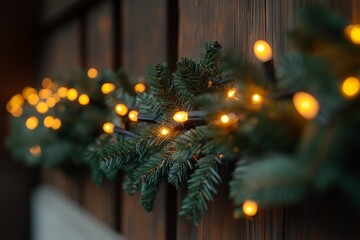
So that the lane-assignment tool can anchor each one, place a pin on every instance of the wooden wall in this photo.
(107, 34)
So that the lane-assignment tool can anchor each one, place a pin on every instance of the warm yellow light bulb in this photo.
(47, 83)
(50, 102)
(306, 105)
(133, 115)
(262, 51)
(62, 92)
(250, 208)
(32, 122)
(35, 151)
(350, 87)
(72, 94)
(231, 93)
(56, 97)
(108, 127)
(17, 100)
(140, 87)
(48, 121)
(164, 131)
(92, 73)
(121, 109)
(353, 32)
(225, 118)
(45, 93)
(15, 111)
(256, 98)
(27, 91)
(41, 107)
(33, 99)
(56, 124)
(180, 116)
(84, 99)
(107, 88)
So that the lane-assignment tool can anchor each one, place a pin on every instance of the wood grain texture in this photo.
(100, 201)
(100, 37)
(144, 33)
(60, 53)
(237, 24)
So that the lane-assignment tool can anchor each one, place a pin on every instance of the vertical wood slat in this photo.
(144, 41)
(100, 37)
(237, 25)
(60, 53)
(100, 201)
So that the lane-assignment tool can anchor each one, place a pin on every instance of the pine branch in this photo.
(275, 180)
(148, 196)
(188, 150)
(201, 187)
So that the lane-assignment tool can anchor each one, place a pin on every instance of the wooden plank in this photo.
(144, 34)
(70, 185)
(144, 41)
(237, 25)
(100, 37)
(100, 201)
(60, 52)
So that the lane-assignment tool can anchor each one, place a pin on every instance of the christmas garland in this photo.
(290, 134)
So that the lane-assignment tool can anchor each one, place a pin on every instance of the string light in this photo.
(250, 208)
(133, 115)
(27, 91)
(48, 121)
(56, 97)
(225, 118)
(47, 83)
(56, 124)
(41, 107)
(92, 73)
(180, 116)
(50, 102)
(35, 151)
(353, 33)
(262, 51)
(72, 94)
(14, 111)
(33, 99)
(164, 131)
(121, 109)
(231, 93)
(84, 99)
(107, 88)
(45, 93)
(62, 92)
(350, 87)
(140, 87)
(306, 105)
(32, 122)
(108, 127)
(17, 100)
(256, 98)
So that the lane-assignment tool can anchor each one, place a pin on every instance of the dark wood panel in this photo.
(100, 201)
(60, 53)
(100, 37)
(69, 185)
(237, 24)
(144, 41)
(144, 34)
(140, 225)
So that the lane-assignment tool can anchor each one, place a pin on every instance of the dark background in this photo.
(18, 33)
